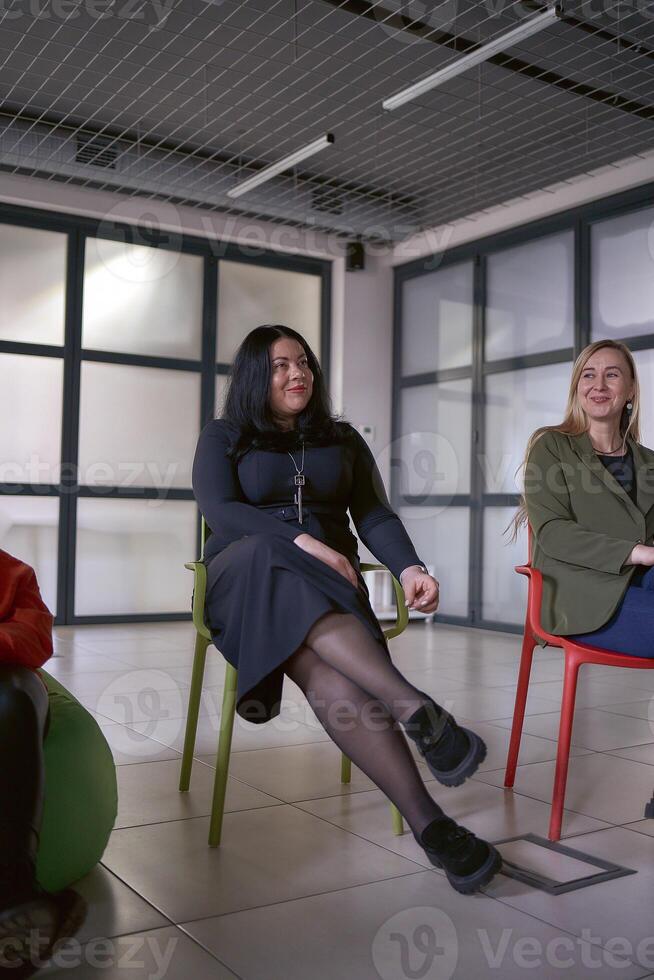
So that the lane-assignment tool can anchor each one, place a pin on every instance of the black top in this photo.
(256, 496)
(622, 468)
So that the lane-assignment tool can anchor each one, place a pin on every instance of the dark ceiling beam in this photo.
(462, 45)
(622, 42)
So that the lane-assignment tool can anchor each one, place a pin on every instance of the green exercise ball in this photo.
(81, 797)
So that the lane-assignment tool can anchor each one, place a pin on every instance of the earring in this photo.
(629, 407)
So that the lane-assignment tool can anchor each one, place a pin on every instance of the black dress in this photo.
(264, 593)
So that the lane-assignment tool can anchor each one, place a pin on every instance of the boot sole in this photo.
(70, 911)
(17, 926)
(468, 765)
(468, 884)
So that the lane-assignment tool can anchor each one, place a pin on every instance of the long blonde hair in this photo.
(575, 420)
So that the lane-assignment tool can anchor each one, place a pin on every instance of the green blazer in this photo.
(584, 527)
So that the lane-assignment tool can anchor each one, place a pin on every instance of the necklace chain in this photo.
(299, 481)
(610, 450)
(293, 458)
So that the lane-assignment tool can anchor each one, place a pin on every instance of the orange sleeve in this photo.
(26, 624)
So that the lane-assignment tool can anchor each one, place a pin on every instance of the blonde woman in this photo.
(589, 499)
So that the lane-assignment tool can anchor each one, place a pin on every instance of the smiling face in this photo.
(289, 370)
(605, 385)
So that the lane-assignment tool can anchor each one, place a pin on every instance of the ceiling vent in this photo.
(96, 151)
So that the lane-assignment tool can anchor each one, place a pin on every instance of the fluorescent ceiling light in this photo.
(483, 53)
(284, 164)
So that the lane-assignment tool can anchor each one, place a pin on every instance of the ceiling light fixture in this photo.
(475, 57)
(284, 164)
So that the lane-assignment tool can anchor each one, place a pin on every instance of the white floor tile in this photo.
(151, 955)
(113, 908)
(129, 747)
(592, 729)
(634, 709)
(590, 693)
(271, 854)
(489, 812)
(412, 926)
(492, 704)
(148, 793)
(601, 786)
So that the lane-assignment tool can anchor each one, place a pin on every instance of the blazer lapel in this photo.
(644, 467)
(584, 449)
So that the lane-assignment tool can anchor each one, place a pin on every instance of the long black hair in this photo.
(247, 401)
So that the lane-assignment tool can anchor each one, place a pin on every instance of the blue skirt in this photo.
(631, 627)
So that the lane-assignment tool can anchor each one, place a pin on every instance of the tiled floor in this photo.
(309, 882)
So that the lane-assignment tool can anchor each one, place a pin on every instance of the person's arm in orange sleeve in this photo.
(25, 620)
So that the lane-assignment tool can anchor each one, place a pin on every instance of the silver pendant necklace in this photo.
(298, 480)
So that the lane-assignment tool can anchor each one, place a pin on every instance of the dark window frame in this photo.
(212, 251)
(578, 219)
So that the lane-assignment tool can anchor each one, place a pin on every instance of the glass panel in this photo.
(504, 592)
(645, 366)
(32, 285)
(434, 439)
(441, 539)
(29, 527)
(221, 391)
(622, 276)
(30, 418)
(138, 426)
(142, 300)
(131, 554)
(437, 320)
(250, 295)
(517, 402)
(530, 305)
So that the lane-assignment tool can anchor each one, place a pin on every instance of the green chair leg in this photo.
(346, 775)
(195, 696)
(346, 768)
(222, 760)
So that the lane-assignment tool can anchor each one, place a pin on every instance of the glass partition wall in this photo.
(485, 337)
(115, 347)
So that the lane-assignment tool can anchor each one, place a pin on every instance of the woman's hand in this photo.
(642, 554)
(330, 556)
(421, 590)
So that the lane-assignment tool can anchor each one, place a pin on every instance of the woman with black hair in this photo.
(274, 478)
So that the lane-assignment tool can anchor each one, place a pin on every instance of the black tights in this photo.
(23, 726)
(358, 695)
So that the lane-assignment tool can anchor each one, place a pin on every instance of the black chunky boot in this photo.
(452, 753)
(469, 862)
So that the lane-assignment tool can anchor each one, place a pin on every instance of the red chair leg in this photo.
(563, 750)
(526, 658)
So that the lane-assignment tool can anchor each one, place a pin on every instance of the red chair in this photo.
(575, 654)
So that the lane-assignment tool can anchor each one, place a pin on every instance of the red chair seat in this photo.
(575, 654)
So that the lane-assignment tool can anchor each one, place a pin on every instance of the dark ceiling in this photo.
(198, 88)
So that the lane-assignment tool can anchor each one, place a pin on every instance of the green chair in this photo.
(202, 641)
